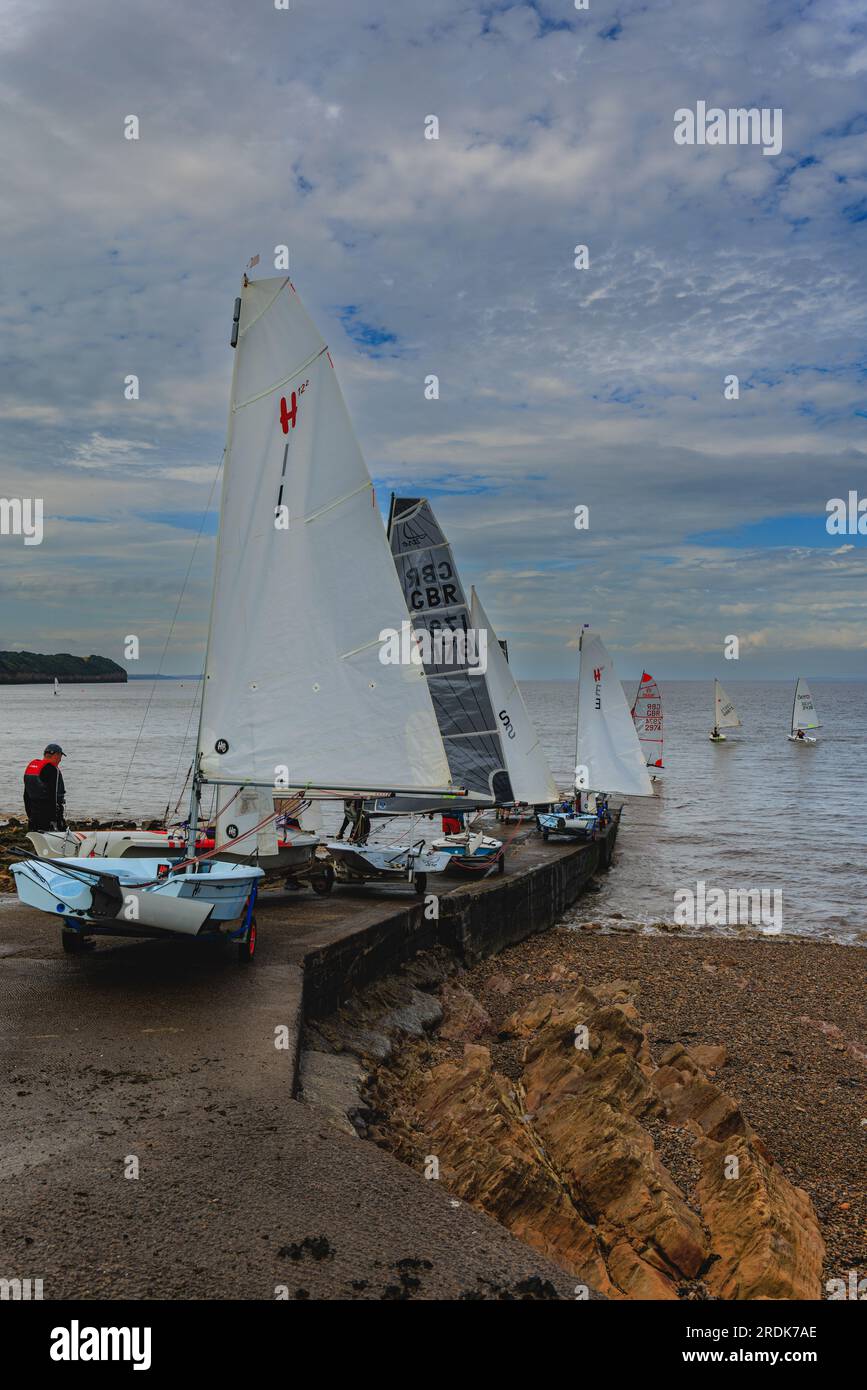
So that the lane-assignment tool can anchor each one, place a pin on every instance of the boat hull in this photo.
(180, 903)
(576, 827)
(295, 852)
(793, 738)
(360, 863)
(468, 852)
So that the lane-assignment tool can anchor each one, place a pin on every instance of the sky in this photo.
(558, 387)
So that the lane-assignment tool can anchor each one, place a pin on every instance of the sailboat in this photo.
(295, 697)
(609, 757)
(724, 714)
(56, 686)
(647, 718)
(804, 714)
(490, 742)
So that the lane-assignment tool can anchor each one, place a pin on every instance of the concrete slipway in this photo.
(164, 1053)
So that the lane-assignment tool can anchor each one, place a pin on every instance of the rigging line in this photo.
(168, 639)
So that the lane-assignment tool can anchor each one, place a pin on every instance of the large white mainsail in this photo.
(608, 754)
(294, 688)
(526, 764)
(647, 718)
(804, 714)
(725, 716)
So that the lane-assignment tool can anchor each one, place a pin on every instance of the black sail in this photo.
(436, 601)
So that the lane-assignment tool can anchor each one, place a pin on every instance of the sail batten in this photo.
(295, 690)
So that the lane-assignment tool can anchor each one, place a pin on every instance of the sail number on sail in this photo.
(437, 593)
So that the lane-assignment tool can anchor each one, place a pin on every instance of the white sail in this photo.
(647, 718)
(608, 755)
(804, 714)
(725, 715)
(56, 686)
(526, 764)
(245, 820)
(294, 687)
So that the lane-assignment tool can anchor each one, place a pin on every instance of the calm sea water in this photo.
(755, 812)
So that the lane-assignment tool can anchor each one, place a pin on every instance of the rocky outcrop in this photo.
(763, 1232)
(566, 1154)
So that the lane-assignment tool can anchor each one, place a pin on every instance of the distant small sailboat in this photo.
(804, 714)
(725, 715)
(56, 686)
(647, 718)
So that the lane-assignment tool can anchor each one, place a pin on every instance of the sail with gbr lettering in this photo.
(647, 718)
(438, 605)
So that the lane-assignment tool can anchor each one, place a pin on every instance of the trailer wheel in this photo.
(73, 943)
(247, 947)
(421, 884)
(324, 882)
(501, 864)
(545, 834)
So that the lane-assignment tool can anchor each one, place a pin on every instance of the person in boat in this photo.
(799, 733)
(44, 791)
(714, 733)
(356, 819)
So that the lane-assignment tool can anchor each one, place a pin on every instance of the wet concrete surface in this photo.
(159, 1057)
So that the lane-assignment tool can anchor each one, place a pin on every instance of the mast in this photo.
(196, 781)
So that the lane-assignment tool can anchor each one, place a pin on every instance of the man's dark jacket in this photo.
(44, 795)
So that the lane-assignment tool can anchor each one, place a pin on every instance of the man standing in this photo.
(44, 792)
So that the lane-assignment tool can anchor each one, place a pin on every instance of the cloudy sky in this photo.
(558, 386)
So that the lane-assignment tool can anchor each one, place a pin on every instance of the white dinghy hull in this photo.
(364, 863)
(180, 903)
(294, 852)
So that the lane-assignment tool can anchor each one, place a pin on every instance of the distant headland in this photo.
(31, 668)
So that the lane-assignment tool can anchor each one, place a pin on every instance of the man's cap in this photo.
(52, 748)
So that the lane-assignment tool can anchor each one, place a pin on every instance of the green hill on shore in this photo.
(32, 668)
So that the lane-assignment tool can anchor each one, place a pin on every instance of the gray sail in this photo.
(436, 601)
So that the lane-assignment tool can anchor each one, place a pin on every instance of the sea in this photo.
(754, 813)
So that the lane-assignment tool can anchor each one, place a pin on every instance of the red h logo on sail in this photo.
(287, 416)
(597, 674)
